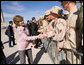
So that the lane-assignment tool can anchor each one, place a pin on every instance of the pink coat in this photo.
(23, 38)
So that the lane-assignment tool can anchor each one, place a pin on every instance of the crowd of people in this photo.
(67, 31)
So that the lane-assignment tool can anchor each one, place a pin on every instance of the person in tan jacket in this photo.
(73, 10)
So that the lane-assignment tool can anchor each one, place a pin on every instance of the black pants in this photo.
(23, 58)
(10, 40)
(2, 57)
(38, 42)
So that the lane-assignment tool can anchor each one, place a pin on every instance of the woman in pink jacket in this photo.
(23, 40)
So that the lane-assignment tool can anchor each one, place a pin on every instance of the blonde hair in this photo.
(17, 19)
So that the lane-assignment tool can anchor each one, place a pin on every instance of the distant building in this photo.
(2, 17)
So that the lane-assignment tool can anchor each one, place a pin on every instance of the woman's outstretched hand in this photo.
(41, 36)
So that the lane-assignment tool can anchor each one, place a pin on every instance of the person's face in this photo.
(65, 4)
(21, 23)
(49, 17)
(55, 17)
(41, 20)
(81, 2)
(28, 22)
(34, 20)
(11, 23)
(52, 16)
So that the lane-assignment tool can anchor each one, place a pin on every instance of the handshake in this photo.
(39, 30)
(41, 36)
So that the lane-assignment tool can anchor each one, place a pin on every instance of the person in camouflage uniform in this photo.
(73, 10)
(56, 31)
(40, 23)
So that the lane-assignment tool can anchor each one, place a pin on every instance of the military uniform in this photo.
(50, 29)
(71, 29)
(81, 18)
(79, 32)
(56, 34)
(42, 29)
(44, 25)
(40, 23)
(57, 29)
(60, 30)
(71, 33)
(80, 27)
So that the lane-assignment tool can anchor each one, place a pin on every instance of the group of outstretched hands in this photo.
(41, 36)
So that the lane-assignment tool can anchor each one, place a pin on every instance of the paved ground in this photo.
(12, 56)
